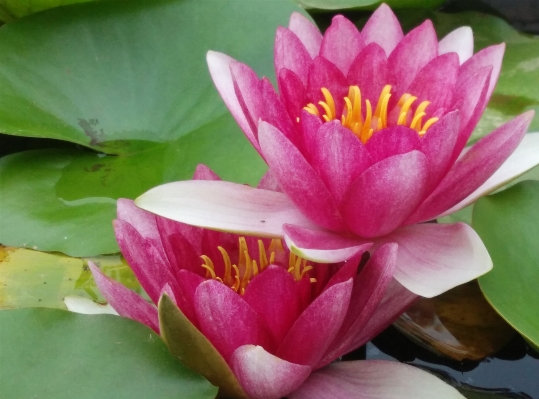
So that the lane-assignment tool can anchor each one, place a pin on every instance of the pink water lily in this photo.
(269, 317)
(365, 142)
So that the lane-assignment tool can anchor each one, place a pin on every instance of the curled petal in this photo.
(459, 41)
(265, 376)
(373, 379)
(383, 28)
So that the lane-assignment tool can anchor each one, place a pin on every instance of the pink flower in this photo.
(272, 317)
(366, 140)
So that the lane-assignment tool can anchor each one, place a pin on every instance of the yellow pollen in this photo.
(238, 276)
(364, 122)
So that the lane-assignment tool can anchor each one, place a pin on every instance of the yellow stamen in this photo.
(428, 124)
(330, 103)
(208, 265)
(404, 110)
(311, 108)
(262, 255)
(228, 266)
(416, 122)
(366, 131)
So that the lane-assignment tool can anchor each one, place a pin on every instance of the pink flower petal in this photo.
(436, 82)
(324, 73)
(342, 43)
(459, 41)
(383, 28)
(290, 53)
(385, 194)
(152, 271)
(185, 294)
(392, 141)
(525, 157)
(307, 32)
(227, 320)
(184, 255)
(265, 376)
(414, 51)
(322, 246)
(298, 179)
(269, 182)
(320, 322)
(369, 289)
(224, 206)
(369, 72)
(433, 258)
(274, 296)
(275, 113)
(248, 89)
(203, 172)
(475, 167)
(339, 157)
(124, 301)
(142, 221)
(292, 92)
(373, 379)
(219, 66)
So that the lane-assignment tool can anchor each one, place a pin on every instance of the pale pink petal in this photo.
(369, 289)
(414, 51)
(248, 89)
(525, 157)
(142, 221)
(124, 301)
(298, 179)
(320, 322)
(307, 32)
(374, 379)
(204, 172)
(219, 66)
(474, 167)
(385, 194)
(459, 41)
(392, 141)
(227, 320)
(290, 53)
(82, 305)
(322, 246)
(433, 258)
(488, 57)
(265, 376)
(383, 28)
(369, 72)
(339, 157)
(269, 182)
(274, 296)
(342, 43)
(224, 206)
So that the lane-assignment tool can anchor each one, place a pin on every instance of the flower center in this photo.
(238, 275)
(364, 122)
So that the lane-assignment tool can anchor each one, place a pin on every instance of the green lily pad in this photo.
(369, 4)
(10, 10)
(55, 354)
(508, 224)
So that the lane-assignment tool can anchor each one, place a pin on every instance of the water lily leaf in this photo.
(99, 73)
(37, 279)
(194, 350)
(369, 4)
(13, 9)
(508, 224)
(459, 324)
(65, 200)
(51, 353)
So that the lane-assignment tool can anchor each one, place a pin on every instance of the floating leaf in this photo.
(13, 9)
(369, 4)
(508, 224)
(50, 353)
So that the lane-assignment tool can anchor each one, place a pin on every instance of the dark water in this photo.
(515, 369)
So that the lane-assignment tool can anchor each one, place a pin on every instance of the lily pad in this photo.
(50, 353)
(508, 224)
(10, 10)
(369, 4)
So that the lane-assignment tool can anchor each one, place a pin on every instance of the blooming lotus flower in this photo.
(366, 140)
(257, 320)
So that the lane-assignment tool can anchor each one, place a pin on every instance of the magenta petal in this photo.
(369, 72)
(203, 172)
(385, 194)
(219, 66)
(342, 43)
(275, 112)
(124, 301)
(459, 41)
(269, 182)
(152, 271)
(322, 246)
(436, 82)
(339, 157)
(475, 167)
(383, 28)
(392, 141)
(433, 258)
(298, 179)
(374, 379)
(142, 221)
(274, 296)
(415, 51)
(324, 73)
(248, 89)
(227, 320)
(265, 376)
(320, 322)
(290, 53)
(369, 289)
(307, 32)
(185, 294)
(292, 92)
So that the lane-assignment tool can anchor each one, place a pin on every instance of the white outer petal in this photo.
(459, 41)
(82, 305)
